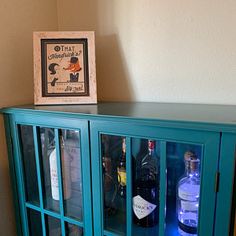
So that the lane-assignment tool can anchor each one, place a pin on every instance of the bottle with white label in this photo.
(65, 160)
(146, 188)
(188, 191)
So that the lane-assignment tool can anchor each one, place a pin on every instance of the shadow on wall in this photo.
(113, 78)
(99, 16)
(112, 75)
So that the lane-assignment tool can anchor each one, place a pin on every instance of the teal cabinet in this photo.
(77, 170)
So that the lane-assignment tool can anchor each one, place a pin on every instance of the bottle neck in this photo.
(192, 168)
(192, 173)
(187, 167)
(151, 152)
(151, 147)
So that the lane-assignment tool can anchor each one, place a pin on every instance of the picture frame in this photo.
(64, 68)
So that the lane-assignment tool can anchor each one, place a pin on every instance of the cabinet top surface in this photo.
(214, 114)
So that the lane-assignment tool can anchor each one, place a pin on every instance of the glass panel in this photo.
(146, 184)
(34, 222)
(183, 188)
(114, 183)
(49, 167)
(73, 230)
(53, 226)
(71, 171)
(29, 164)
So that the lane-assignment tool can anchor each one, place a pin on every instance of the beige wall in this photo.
(163, 50)
(18, 19)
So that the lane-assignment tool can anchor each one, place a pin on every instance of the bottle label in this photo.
(141, 207)
(189, 192)
(54, 175)
(189, 206)
(121, 177)
(65, 165)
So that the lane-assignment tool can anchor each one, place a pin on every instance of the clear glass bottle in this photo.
(188, 191)
(146, 191)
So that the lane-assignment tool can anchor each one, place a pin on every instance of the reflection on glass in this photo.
(146, 178)
(49, 166)
(34, 222)
(183, 190)
(73, 230)
(29, 164)
(71, 172)
(114, 182)
(53, 226)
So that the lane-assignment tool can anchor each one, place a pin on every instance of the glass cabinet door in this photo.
(53, 183)
(152, 184)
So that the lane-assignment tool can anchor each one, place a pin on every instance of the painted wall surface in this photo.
(163, 50)
(18, 20)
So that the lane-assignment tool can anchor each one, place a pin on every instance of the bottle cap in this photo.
(151, 144)
(189, 155)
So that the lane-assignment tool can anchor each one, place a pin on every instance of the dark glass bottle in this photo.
(146, 190)
(121, 171)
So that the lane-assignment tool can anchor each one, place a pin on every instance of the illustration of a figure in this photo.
(74, 67)
(52, 69)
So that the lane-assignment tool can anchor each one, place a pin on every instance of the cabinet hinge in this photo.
(217, 181)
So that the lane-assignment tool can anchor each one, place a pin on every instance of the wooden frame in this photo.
(64, 68)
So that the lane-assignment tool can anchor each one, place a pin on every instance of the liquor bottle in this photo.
(65, 160)
(146, 190)
(121, 171)
(188, 190)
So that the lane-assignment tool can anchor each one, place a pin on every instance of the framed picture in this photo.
(64, 68)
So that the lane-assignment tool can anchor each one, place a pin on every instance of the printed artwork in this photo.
(65, 67)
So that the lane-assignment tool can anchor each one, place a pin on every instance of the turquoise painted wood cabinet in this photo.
(123, 169)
